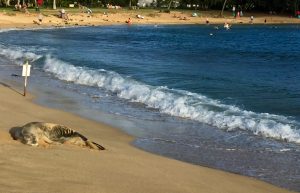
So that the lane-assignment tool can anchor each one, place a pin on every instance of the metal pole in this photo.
(25, 81)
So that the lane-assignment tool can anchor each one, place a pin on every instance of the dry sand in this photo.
(22, 20)
(120, 169)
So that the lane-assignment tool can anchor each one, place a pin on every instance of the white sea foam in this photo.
(179, 103)
(36, 28)
(7, 29)
(13, 29)
(18, 54)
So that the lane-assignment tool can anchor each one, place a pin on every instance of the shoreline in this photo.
(120, 168)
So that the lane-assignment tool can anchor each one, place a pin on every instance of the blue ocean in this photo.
(226, 99)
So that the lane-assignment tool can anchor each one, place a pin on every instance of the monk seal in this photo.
(43, 134)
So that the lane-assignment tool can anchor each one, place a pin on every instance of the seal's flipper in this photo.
(94, 145)
(99, 146)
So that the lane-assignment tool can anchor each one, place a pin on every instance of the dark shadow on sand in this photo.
(8, 86)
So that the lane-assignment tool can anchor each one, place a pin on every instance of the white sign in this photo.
(26, 70)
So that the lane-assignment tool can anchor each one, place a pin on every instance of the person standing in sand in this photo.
(207, 21)
(251, 19)
(62, 13)
(233, 11)
(40, 18)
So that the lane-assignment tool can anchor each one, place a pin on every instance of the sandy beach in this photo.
(117, 17)
(121, 168)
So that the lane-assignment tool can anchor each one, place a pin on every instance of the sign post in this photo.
(26, 73)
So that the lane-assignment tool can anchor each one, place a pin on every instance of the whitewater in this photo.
(178, 102)
(173, 102)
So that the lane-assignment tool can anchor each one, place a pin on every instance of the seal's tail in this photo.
(94, 145)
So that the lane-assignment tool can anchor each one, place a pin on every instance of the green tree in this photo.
(224, 4)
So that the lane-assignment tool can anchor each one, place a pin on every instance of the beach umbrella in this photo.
(40, 2)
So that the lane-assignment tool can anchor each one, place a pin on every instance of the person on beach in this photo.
(251, 19)
(140, 17)
(18, 7)
(128, 21)
(226, 26)
(233, 11)
(24, 8)
(40, 18)
(89, 12)
(62, 13)
(183, 18)
(207, 21)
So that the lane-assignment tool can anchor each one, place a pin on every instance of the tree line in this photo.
(271, 6)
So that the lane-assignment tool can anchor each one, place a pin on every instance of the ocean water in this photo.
(227, 99)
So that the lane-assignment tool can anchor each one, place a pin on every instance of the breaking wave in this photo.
(178, 102)
(18, 54)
